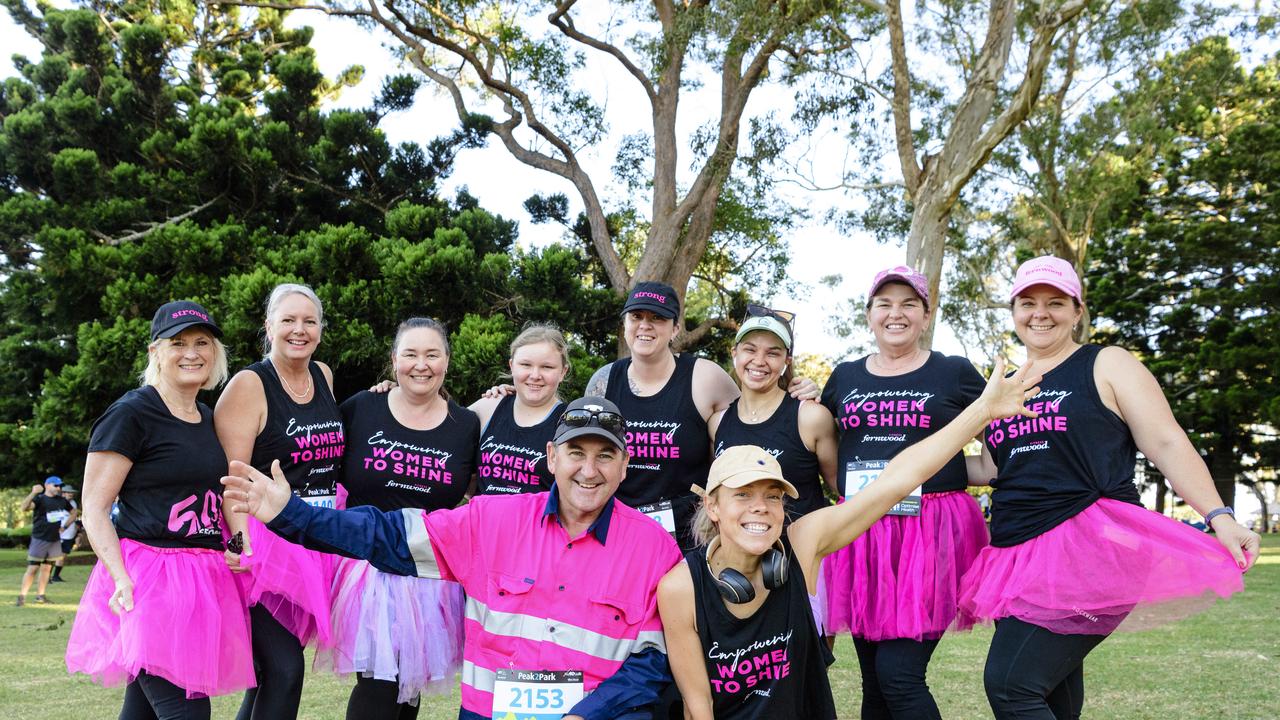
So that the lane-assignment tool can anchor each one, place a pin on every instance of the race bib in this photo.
(324, 501)
(858, 474)
(56, 516)
(536, 694)
(662, 514)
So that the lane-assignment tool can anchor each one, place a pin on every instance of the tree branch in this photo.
(562, 20)
(902, 98)
(689, 338)
(413, 35)
(1038, 57)
(154, 226)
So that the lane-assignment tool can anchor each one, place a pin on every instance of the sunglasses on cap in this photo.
(580, 418)
(761, 311)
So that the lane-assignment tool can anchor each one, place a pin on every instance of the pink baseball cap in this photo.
(901, 273)
(1047, 270)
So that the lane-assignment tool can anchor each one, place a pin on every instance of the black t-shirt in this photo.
(667, 441)
(172, 496)
(306, 438)
(391, 467)
(48, 515)
(779, 435)
(513, 458)
(1057, 464)
(878, 416)
(770, 665)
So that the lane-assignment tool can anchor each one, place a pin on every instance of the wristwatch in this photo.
(1224, 510)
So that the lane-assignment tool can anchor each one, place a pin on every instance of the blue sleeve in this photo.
(364, 532)
(638, 683)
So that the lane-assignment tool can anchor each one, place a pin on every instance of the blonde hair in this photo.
(277, 296)
(217, 374)
(704, 528)
(534, 333)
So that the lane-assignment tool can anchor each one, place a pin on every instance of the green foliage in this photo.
(1187, 272)
(179, 150)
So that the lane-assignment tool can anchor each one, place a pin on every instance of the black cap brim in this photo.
(590, 430)
(660, 310)
(177, 329)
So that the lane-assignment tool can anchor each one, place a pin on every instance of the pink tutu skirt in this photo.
(289, 581)
(901, 578)
(391, 627)
(1113, 566)
(188, 624)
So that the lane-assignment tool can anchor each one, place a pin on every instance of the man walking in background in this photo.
(67, 535)
(49, 511)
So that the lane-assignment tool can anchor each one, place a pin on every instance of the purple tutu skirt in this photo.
(188, 625)
(1114, 566)
(818, 600)
(391, 627)
(289, 581)
(901, 578)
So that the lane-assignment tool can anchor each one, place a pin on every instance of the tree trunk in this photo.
(926, 243)
(1222, 467)
(1162, 494)
(1256, 487)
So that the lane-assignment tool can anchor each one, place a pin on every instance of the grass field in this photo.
(1220, 664)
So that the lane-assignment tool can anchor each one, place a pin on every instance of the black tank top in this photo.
(513, 459)
(780, 436)
(878, 416)
(1056, 465)
(667, 441)
(308, 440)
(770, 665)
(391, 467)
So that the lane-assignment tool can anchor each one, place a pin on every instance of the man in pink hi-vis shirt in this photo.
(561, 610)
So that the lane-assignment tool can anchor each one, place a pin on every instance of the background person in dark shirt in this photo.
(49, 511)
(67, 534)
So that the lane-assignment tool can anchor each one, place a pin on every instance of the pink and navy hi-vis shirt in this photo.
(537, 599)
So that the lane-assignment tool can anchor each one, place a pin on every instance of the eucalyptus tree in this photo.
(524, 69)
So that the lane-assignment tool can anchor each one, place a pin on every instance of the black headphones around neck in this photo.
(737, 588)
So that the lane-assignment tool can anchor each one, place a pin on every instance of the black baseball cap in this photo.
(658, 298)
(592, 415)
(172, 318)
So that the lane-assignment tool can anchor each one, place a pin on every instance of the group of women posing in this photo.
(250, 602)
(1071, 553)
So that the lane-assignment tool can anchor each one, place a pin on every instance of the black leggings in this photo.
(376, 700)
(1035, 674)
(279, 666)
(153, 698)
(893, 679)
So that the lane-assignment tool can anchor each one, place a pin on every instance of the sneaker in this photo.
(42, 600)
(56, 578)
(21, 601)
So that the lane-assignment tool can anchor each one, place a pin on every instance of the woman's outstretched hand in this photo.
(1006, 396)
(249, 491)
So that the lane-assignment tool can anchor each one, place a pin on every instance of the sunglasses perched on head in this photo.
(605, 419)
(761, 311)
